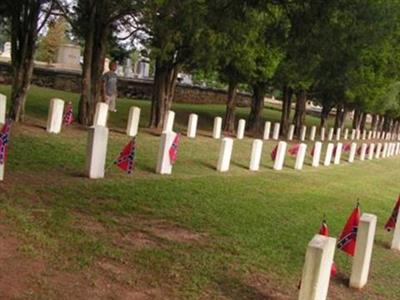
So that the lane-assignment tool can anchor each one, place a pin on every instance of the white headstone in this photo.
(101, 114)
(369, 135)
(1, 172)
(164, 165)
(169, 121)
(192, 126)
(301, 154)
(338, 153)
(217, 128)
(357, 134)
(396, 235)
(328, 154)
(378, 136)
(317, 154)
(353, 134)
(330, 134)
(364, 134)
(225, 154)
(322, 134)
(303, 133)
(374, 134)
(255, 158)
(290, 132)
(96, 151)
(275, 134)
(352, 154)
(3, 104)
(133, 121)
(240, 130)
(346, 134)
(280, 156)
(317, 268)
(371, 151)
(385, 149)
(55, 117)
(363, 251)
(267, 130)
(338, 134)
(363, 151)
(312, 133)
(378, 150)
(397, 148)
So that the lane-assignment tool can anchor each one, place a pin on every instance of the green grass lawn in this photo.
(196, 234)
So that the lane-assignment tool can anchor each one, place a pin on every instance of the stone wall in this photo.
(70, 80)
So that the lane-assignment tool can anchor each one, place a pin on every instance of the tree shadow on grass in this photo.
(239, 165)
(206, 164)
(233, 288)
(383, 244)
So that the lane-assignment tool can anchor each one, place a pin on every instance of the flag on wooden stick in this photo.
(347, 239)
(4, 139)
(273, 153)
(391, 223)
(323, 230)
(126, 159)
(173, 150)
(68, 117)
(294, 150)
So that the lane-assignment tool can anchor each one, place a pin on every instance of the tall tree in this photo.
(94, 21)
(26, 20)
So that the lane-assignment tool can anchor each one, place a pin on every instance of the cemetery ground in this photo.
(196, 234)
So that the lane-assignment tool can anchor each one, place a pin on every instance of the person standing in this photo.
(109, 86)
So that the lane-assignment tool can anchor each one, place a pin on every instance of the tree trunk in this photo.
(338, 117)
(381, 121)
(229, 120)
(374, 122)
(343, 117)
(300, 111)
(363, 121)
(254, 122)
(356, 118)
(163, 92)
(326, 109)
(386, 123)
(93, 60)
(24, 26)
(286, 109)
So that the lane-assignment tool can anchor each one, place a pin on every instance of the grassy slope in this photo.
(249, 223)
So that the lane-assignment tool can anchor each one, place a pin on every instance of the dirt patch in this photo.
(172, 232)
(267, 289)
(137, 240)
(87, 223)
(16, 270)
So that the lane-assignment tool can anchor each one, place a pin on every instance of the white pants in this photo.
(110, 100)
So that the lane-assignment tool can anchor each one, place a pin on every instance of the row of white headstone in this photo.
(320, 253)
(319, 259)
(56, 112)
(389, 149)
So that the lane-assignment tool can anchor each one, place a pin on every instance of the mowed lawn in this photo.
(196, 234)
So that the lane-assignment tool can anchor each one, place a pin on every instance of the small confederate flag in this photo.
(273, 153)
(126, 159)
(323, 230)
(346, 147)
(347, 239)
(312, 151)
(68, 117)
(294, 150)
(4, 138)
(391, 223)
(173, 150)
